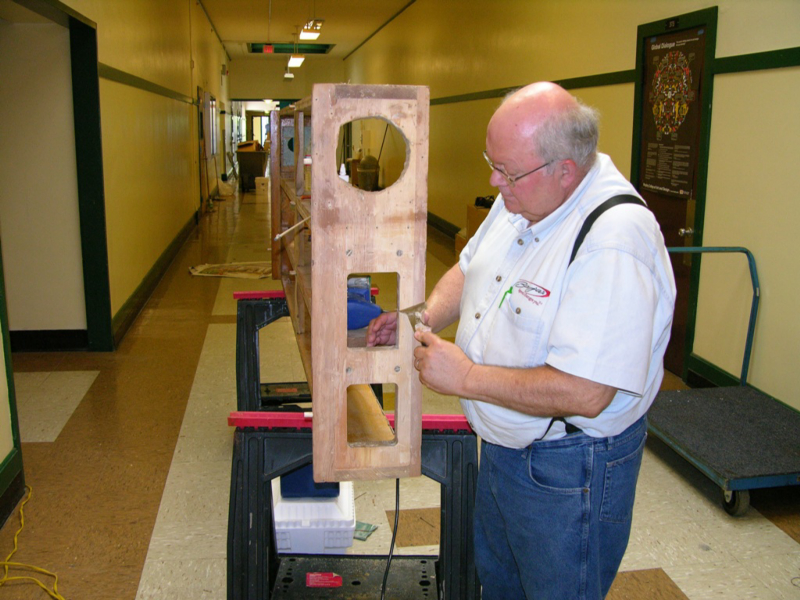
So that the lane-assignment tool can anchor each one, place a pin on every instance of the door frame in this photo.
(89, 167)
(706, 18)
(12, 474)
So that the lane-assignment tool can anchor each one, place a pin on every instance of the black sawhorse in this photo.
(267, 445)
(254, 310)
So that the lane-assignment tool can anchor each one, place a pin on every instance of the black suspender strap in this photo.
(568, 427)
(587, 225)
(593, 216)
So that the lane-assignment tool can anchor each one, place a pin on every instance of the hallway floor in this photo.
(129, 453)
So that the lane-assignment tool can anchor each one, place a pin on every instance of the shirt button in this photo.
(498, 278)
(518, 311)
(535, 239)
(477, 315)
(520, 242)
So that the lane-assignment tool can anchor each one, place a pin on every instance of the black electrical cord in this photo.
(394, 537)
(385, 131)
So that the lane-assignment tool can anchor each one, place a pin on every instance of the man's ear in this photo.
(568, 173)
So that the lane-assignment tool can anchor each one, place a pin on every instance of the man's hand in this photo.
(382, 330)
(442, 366)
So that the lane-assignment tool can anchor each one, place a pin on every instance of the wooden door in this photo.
(669, 160)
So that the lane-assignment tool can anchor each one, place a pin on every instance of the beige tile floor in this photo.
(46, 401)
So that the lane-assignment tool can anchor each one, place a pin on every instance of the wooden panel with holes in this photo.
(354, 231)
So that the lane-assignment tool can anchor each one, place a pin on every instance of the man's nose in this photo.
(497, 180)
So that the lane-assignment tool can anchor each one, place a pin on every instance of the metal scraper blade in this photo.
(414, 313)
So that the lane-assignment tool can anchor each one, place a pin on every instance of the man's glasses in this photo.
(511, 179)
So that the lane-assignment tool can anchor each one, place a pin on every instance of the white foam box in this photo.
(314, 525)
(262, 185)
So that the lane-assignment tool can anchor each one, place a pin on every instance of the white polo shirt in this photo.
(607, 318)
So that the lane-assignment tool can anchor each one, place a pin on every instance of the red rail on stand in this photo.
(267, 294)
(298, 420)
(259, 295)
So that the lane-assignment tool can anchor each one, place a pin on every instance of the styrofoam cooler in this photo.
(314, 525)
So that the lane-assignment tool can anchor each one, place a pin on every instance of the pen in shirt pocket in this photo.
(507, 292)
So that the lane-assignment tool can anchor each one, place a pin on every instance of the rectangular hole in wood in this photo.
(368, 294)
(366, 422)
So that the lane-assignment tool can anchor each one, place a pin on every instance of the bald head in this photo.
(534, 102)
(551, 122)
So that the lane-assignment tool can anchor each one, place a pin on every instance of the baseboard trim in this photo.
(446, 227)
(15, 489)
(706, 374)
(126, 315)
(49, 340)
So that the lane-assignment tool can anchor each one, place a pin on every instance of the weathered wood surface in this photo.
(365, 232)
(275, 191)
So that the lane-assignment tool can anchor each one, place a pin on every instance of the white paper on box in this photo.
(314, 525)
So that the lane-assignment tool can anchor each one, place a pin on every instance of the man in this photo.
(556, 362)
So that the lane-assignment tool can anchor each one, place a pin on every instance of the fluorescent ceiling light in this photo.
(311, 30)
(288, 74)
(295, 60)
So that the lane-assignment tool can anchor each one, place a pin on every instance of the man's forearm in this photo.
(444, 303)
(540, 391)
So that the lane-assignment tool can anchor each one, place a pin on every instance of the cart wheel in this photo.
(736, 502)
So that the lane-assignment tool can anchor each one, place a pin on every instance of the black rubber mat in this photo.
(409, 577)
(736, 431)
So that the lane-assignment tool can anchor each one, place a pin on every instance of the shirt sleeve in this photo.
(604, 326)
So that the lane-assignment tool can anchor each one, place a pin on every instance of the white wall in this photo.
(6, 437)
(39, 225)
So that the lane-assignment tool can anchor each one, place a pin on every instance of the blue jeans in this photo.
(552, 520)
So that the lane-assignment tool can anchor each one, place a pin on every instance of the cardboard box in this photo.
(262, 186)
(461, 241)
(475, 217)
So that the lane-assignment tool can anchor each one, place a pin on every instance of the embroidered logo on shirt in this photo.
(531, 291)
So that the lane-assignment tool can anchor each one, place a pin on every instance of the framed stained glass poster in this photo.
(669, 158)
(672, 79)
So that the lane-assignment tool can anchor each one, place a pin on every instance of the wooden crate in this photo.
(354, 231)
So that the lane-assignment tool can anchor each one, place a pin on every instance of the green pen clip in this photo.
(508, 291)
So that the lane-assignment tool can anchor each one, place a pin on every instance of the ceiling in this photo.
(348, 23)
(14, 13)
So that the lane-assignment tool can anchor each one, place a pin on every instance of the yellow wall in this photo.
(752, 201)
(209, 57)
(260, 78)
(148, 38)
(147, 170)
(151, 160)
(458, 47)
